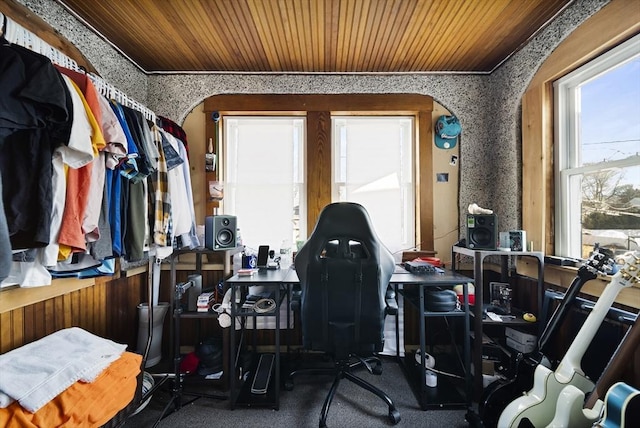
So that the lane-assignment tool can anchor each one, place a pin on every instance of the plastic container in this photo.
(155, 350)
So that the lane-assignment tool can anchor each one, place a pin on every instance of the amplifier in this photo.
(419, 267)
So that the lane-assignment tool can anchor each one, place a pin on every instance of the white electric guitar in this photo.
(573, 411)
(538, 406)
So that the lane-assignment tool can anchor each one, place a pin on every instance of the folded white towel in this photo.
(37, 372)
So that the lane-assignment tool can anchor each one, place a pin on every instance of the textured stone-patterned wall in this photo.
(488, 106)
(503, 142)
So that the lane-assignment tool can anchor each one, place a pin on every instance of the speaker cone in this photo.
(225, 236)
(482, 236)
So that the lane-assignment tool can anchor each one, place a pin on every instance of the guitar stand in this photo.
(177, 391)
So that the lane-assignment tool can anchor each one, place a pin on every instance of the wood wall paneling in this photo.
(424, 205)
(318, 164)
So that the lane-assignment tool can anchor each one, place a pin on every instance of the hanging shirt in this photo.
(35, 118)
(77, 153)
(161, 198)
(180, 212)
(71, 237)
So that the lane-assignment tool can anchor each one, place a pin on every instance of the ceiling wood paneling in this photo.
(317, 35)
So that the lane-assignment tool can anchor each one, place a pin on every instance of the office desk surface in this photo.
(289, 276)
(263, 276)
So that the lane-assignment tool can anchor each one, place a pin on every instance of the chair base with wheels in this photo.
(343, 369)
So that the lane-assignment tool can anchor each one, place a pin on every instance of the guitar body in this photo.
(538, 406)
(500, 393)
(570, 412)
(622, 406)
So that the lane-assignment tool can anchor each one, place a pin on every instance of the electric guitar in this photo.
(538, 406)
(501, 392)
(571, 409)
(622, 404)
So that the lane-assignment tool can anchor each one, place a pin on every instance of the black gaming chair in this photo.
(344, 272)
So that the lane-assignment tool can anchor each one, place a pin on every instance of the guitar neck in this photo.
(565, 306)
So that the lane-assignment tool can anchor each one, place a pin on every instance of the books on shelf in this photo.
(205, 300)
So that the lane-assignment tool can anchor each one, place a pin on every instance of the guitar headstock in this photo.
(600, 262)
(629, 265)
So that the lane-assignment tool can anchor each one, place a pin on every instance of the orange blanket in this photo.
(83, 404)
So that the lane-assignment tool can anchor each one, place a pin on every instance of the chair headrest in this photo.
(344, 230)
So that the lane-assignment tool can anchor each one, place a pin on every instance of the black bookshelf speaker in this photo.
(482, 231)
(220, 232)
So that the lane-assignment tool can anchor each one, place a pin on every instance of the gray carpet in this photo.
(351, 407)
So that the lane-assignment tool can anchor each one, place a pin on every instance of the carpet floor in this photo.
(352, 407)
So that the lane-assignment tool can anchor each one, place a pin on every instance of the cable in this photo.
(264, 305)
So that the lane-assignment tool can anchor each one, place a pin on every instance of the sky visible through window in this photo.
(610, 118)
(610, 131)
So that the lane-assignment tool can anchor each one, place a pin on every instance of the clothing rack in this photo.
(18, 35)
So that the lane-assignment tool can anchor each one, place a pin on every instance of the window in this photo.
(597, 154)
(373, 165)
(264, 182)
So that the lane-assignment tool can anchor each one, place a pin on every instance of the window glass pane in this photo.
(610, 114)
(373, 165)
(611, 209)
(264, 179)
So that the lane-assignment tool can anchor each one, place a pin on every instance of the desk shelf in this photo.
(449, 393)
(243, 397)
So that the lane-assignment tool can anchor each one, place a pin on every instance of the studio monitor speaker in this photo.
(220, 232)
(482, 231)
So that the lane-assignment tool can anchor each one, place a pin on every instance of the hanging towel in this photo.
(37, 372)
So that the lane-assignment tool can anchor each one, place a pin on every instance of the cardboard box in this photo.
(520, 337)
(525, 348)
(518, 240)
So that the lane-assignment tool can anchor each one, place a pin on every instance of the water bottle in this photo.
(285, 254)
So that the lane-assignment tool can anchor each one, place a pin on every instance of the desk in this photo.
(446, 393)
(478, 260)
(282, 280)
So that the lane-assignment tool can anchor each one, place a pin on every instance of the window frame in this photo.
(318, 109)
(568, 168)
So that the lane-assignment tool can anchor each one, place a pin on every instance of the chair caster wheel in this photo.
(394, 415)
(377, 369)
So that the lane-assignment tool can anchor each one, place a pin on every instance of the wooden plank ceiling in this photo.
(317, 35)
